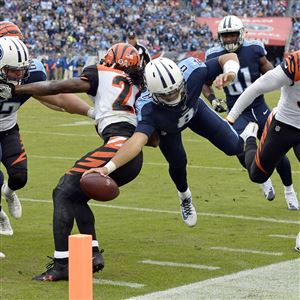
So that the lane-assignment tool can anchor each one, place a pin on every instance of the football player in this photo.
(20, 72)
(170, 105)
(113, 86)
(253, 61)
(282, 130)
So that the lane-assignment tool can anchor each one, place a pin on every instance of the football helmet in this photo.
(164, 81)
(10, 29)
(14, 60)
(231, 24)
(121, 56)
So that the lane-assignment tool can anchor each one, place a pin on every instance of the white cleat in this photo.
(2, 255)
(249, 131)
(5, 227)
(291, 200)
(297, 247)
(188, 212)
(13, 202)
(268, 189)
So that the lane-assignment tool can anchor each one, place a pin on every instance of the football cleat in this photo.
(55, 271)
(249, 131)
(13, 202)
(297, 247)
(291, 200)
(5, 227)
(268, 189)
(98, 261)
(188, 212)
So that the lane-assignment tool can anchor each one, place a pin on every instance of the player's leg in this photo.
(258, 115)
(15, 160)
(210, 125)
(172, 148)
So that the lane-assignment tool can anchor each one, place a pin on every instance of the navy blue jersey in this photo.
(166, 119)
(36, 73)
(249, 56)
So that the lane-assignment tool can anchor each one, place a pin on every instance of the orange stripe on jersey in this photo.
(92, 163)
(21, 157)
(292, 64)
(78, 170)
(103, 154)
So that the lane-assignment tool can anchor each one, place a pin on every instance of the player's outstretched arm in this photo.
(131, 148)
(43, 88)
(67, 102)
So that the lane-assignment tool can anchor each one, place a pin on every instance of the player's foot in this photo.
(98, 261)
(268, 189)
(5, 227)
(2, 255)
(188, 212)
(249, 131)
(297, 247)
(55, 272)
(291, 200)
(13, 202)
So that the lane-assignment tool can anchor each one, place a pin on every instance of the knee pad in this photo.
(17, 181)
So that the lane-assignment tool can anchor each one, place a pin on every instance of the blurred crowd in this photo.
(65, 32)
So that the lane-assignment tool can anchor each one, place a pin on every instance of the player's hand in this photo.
(7, 90)
(218, 105)
(102, 171)
(91, 113)
(224, 79)
(230, 120)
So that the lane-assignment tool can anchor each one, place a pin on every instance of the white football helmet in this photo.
(164, 81)
(14, 60)
(231, 24)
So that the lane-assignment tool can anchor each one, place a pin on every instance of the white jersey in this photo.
(112, 95)
(285, 76)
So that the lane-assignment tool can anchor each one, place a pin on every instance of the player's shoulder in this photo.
(214, 52)
(37, 71)
(291, 66)
(36, 65)
(253, 43)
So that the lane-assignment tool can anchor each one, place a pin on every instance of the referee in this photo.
(143, 52)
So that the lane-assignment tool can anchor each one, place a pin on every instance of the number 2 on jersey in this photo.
(121, 102)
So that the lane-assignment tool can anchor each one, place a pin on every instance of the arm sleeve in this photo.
(90, 74)
(270, 81)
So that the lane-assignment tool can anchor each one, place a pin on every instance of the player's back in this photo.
(113, 95)
(249, 56)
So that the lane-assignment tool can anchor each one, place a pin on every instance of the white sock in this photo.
(288, 189)
(7, 190)
(61, 254)
(184, 195)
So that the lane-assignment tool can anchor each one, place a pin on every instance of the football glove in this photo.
(7, 90)
(218, 105)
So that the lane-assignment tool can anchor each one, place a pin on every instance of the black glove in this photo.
(218, 105)
(7, 90)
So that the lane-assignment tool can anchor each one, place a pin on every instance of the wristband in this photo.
(231, 66)
(91, 113)
(110, 166)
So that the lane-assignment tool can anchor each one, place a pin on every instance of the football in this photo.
(99, 187)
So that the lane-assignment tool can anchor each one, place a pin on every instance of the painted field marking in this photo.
(292, 237)
(276, 281)
(183, 265)
(147, 163)
(262, 219)
(247, 251)
(118, 283)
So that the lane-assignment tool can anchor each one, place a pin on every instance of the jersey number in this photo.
(236, 88)
(186, 117)
(121, 102)
(6, 108)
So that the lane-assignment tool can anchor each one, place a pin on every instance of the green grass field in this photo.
(144, 223)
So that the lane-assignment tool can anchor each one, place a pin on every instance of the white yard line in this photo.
(247, 251)
(146, 163)
(292, 237)
(118, 283)
(181, 265)
(262, 219)
(277, 281)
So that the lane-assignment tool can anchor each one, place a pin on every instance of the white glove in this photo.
(5, 92)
